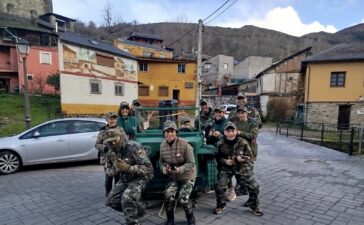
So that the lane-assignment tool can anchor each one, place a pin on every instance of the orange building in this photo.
(334, 86)
(160, 76)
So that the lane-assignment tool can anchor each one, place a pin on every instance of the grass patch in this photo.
(12, 115)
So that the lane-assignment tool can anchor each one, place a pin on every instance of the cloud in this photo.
(285, 20)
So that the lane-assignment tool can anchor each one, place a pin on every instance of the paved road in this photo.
(300, 184)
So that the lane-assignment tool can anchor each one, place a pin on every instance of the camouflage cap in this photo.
(203, 101)
(112, 134)
(136, 102)
(169, 125)
(241, 95)
(230, 125)
(241, 108)
(111, 114)
(185, 119)
(219, 108)
(124, 104)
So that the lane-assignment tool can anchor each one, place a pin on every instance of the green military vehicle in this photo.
(152, 136)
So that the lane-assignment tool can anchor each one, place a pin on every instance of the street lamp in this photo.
(23, 48)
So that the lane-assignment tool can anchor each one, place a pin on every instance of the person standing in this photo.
(132, 164)
(126, 120)
(103, 148)
(206, 115)
(235, 157)
(177, 161)
(215, 131)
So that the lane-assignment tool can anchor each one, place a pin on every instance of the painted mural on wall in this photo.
(87, 61)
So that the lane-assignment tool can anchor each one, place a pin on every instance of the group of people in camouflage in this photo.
(128, 167)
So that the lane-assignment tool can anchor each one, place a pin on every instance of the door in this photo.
(343, 122)
(83, 138)
(47, 143)
(176, 95)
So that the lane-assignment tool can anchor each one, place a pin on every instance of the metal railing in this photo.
(342, 137)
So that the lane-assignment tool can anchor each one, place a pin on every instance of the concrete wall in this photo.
(329, 112)
(216, 74)
(251, 66)
(24, 8)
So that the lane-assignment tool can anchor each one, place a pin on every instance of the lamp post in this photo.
(23, 48)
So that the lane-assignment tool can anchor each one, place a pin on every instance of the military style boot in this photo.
(170, 218)
(190, 218)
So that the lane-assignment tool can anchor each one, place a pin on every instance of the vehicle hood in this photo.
(6, 141)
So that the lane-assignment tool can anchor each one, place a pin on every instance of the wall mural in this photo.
(83, 60)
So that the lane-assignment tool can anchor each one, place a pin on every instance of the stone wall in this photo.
(26, 8)
(329, 112)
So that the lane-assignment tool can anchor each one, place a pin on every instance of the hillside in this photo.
(12, 112)
(237, 42)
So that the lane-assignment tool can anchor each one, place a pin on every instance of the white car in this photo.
(228, 108)
(55, 141)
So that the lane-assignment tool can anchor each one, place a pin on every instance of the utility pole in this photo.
(199, 64)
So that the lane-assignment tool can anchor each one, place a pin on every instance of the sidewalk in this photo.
(300, 183)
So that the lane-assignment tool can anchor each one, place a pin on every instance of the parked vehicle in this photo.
(55, 141)
(228, 108)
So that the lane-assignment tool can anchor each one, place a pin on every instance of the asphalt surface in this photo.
(300, 183)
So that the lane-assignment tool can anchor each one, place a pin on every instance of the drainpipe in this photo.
(308, 72)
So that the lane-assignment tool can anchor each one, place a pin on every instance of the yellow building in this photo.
(334, 85)
(160, 76)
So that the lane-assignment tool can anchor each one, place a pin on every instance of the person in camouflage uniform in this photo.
(135, 105)
(241, 100)
(127, 121)
(235, 158)
(215, 131)
(206, 115)
(177, 161)
(103, 147)
(253, 114)
(131, 163)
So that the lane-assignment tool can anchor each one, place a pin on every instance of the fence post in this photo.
(351, 144)
(302, 129)
(322, 133)
(287, 130)
(278, 122)
(360, 138)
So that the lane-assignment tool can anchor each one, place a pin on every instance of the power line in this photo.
(221, 12)
(184, 35)
(216, 10)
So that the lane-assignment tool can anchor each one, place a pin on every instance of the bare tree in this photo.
(108, 15)
(181, 18)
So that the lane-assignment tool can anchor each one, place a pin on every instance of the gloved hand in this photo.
(105, 148)
(173, 170)
(111, 172)
(228, 162)
(243, 158)
(113, 156)
(122, 166)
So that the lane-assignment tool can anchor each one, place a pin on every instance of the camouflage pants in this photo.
(109, 181)
(183, 190)
(243, 176)
(125, 197)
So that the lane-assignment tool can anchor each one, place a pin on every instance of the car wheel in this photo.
(9, 162)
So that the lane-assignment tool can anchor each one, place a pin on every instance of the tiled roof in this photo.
(142, 45)
(149, 36)
(11, 21)
(94, 44)
(342, 52)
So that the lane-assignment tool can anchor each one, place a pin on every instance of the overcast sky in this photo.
(295, 17)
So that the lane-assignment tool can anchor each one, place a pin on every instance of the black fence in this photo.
(341, 137)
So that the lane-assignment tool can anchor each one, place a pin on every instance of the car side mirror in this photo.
(36, 134)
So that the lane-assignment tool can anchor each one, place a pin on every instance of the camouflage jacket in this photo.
(248, 130)
(216, 126)
(101, 137)
(205, 117)
(252, 113)
(137, 158)
(239, 147)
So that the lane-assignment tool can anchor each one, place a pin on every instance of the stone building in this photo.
(26, 8)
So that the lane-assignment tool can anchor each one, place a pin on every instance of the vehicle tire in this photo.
(9, 162)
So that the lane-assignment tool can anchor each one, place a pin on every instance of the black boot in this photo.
(170, 218)
(190, 218)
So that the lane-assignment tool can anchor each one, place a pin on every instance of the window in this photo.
(225, 66)
(45, 58)
(119, 89)
(337, 79)
(33, 14)
(143, 90)
(95, 86)
(163, 91)
(188, 85)
(51, 129)
(30, 76)
(181, 68)
(148, 54)
(143, 66)
(86, 126)
(104, 60)
(10, 8)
